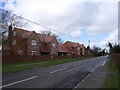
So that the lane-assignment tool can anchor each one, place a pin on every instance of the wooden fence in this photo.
(116, 58)
(23, 58)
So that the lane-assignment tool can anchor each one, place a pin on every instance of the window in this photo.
(20, 52)
(33, 52)
(14, 33)
(78, 48)
(33, 42)
(53, 44)
(14, 42)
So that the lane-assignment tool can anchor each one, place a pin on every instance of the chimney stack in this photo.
(10, 29)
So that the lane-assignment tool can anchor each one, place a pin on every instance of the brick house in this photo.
(25, 42)
(49, 45)
(62, 50)
(73, 47)
(82, 49)
(87, 51)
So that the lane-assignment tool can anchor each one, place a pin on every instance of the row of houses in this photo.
(23, 42)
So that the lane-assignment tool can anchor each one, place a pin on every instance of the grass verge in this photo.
(61, 61)
(47, 63)
(6, 70)
(112, 80)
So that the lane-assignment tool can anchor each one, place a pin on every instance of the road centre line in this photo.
(58, 70)
(19, 81)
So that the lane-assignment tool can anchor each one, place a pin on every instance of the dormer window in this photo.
(14, 33)
(14, 42)
(33, 42)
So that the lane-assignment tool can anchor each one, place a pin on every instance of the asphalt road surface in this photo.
(66, 75)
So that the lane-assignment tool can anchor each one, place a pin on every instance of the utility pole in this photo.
(89, 43)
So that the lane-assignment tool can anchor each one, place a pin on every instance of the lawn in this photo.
(112, 80)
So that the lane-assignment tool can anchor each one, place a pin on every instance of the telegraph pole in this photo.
(89, 43)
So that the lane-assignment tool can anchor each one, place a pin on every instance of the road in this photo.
(66, 75)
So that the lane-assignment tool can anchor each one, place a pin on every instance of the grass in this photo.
(61, 60)
(48, 63)
(6, 70)
(112, 80)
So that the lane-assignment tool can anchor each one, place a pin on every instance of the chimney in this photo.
(10, 29)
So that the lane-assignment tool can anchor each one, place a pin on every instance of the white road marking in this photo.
(19, 81)
(81, 81)
(58, 70)
(75, 65)
(87, 75)
(103, 63)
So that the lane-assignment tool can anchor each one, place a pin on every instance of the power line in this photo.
(42, 26)
(47, 27)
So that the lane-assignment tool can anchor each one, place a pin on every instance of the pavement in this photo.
(79, 74)
(96, 78)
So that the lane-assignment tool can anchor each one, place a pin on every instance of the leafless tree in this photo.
(49, 33)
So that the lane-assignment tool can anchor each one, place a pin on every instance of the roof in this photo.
(72, 44)
(81, 46)
(43, 49)
(23, 33)
(44, 38)
(62, 48)
(26, 34)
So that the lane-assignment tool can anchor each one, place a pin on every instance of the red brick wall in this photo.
(24, 58)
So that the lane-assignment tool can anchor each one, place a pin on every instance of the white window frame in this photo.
(33, 42)
(14, 42)
(20, 52)
(53, 45)
(14, 33)
(33, 52)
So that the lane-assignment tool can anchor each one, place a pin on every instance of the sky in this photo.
(83, 20)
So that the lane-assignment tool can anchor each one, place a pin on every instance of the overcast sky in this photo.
(85, 20)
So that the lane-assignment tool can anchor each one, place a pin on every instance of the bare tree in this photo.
(49, 33)
(8, 18)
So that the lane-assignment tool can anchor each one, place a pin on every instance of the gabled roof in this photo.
(81, 46)
(26, 34)
(23, 33)
(62, 48)
(72, 44)
(45, 39)
(43, 48)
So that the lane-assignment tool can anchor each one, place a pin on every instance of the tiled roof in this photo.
(62, 48)
(23, 33)
(44, 38)
(72, 44)
(81, 46)
(43, 49)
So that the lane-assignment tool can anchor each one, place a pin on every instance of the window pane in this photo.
(33, 42)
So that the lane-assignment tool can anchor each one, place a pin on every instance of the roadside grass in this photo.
(7, 69)
(112, 80)
(47, 61)
(61, 61)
